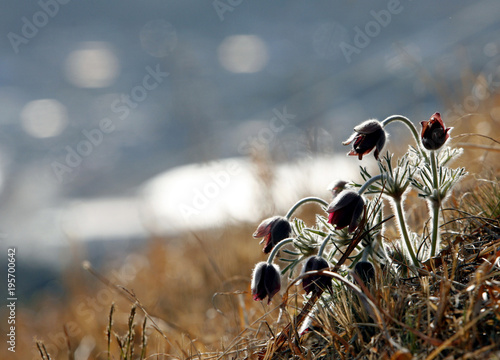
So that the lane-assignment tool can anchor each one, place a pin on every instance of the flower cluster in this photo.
(350, 226)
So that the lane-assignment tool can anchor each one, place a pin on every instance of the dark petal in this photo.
(342, 207)
(266, 281)
(272, 281)
(358, 139)
(358, 147)
(268, 244)
(265, 227)
(340, 219)
(437, 117)
(351, 139)
(345, 209)
(438, 135)
(258, 288)
(365, 271)
(354, 153)
(316, 282)
(425, 125)
(368, 142)
(331, 217)
(380, 144)
(358, 210)
(363, 144)
(280, 230)
(343, 199)
(434, 132)
(273, 229)
(434, 138)
(368, 127)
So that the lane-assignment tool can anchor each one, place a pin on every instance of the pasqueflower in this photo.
(434, 132)
(337, 186)
(367, 136)
(316, 282)
(365, 271)
(266, 281)
(273, 230)
(345, 210)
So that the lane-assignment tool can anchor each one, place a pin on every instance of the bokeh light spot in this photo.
(93, 65)
(44, 118)
(243, 54)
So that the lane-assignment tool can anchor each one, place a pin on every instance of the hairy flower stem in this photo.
(404, 231)
(410, 126)
(323, 245)
(400, 215)
(435, 227)
(436, 204)
(303, 201)
(364, 255)
(370, 181)
(282, 243)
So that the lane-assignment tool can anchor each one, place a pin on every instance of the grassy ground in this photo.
(189, 297)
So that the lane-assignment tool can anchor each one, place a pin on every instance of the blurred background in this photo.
(123, 121)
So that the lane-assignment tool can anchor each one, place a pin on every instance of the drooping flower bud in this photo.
(434, 132)
(345, 210)
(367, 136)
(365, 271)
(316, 282)
(273, 230)
(266, 281)
(337, 186)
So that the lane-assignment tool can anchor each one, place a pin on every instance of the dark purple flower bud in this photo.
(434, 132)
(365, 271)
(337, 186)
(367, 136)
(316, 283)
(273, 230)
(266, 281)
(346, 209)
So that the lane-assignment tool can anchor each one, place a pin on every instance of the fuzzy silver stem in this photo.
(273, 253)
(303, 201)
